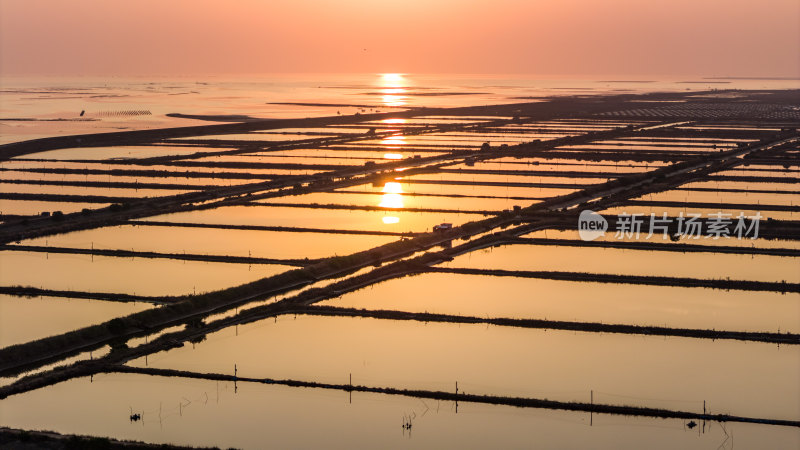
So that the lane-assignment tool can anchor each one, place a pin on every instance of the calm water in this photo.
(528, 298)
(744, 378)
(750, 379)
(107, 101)
(54, 315)
(194, 412)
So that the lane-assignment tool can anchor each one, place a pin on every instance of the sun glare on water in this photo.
(392, 198)
(392, 86)
(394, 140)
(392, 187)
(392, 79)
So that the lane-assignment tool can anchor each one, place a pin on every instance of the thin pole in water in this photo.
(456, 397)
(704, 419)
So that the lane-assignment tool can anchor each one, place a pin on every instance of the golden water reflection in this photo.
(394, 100)
(394, 140)
(393, 187)
(393, 88)
(391, 201)
(392, 198)
(393, 79)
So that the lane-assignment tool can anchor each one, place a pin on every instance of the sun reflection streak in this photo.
(392, 87)
(394, 100)
(391, 201)
(392, 187)
(392, 156)
(392, 198)
(389, 78)
(394, 140)
(392, 79)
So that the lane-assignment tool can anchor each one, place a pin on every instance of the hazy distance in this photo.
(625, 38)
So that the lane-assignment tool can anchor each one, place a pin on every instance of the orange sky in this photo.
(546, 37)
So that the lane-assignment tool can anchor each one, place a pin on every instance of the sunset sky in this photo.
(545, 37)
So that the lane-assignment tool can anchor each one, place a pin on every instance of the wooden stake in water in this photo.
(704, 419)
(456, 397)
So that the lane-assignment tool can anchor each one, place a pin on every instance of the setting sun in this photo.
(503, 224)
(392, 79)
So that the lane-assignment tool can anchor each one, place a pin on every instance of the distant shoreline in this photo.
(755, 78)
